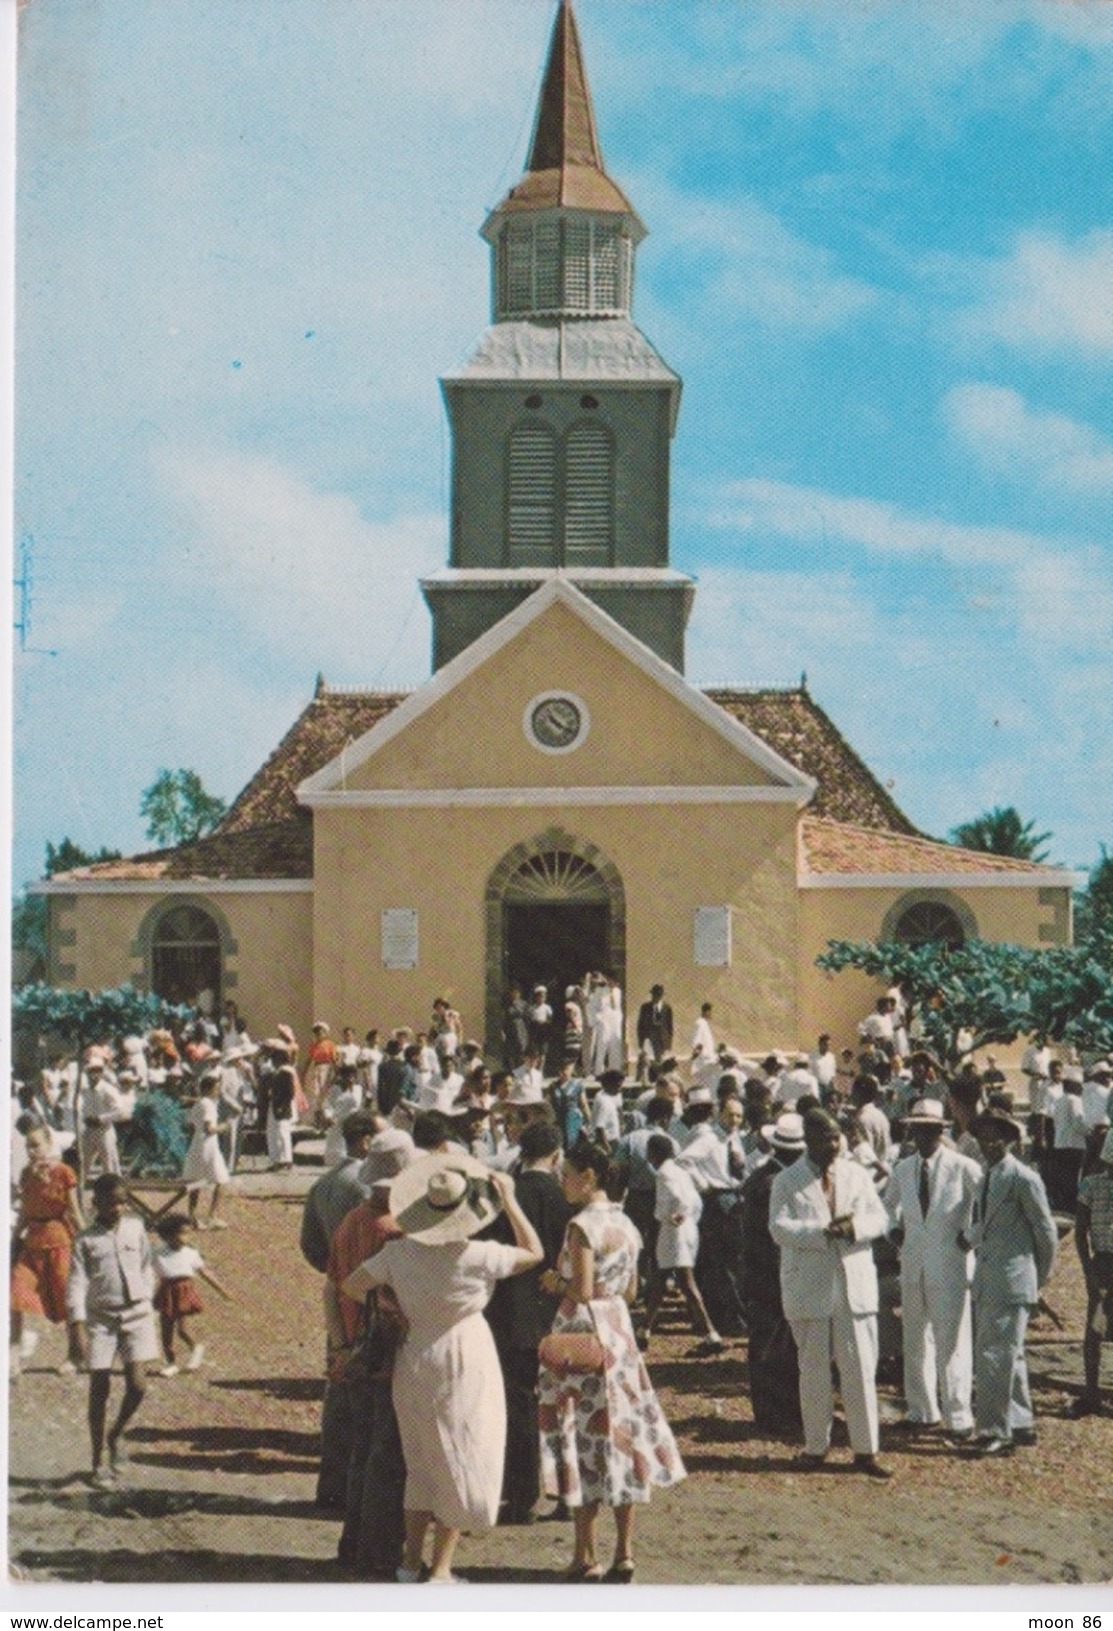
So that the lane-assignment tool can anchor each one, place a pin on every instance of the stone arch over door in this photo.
(925, 915)
(199, 930)
(555, 868)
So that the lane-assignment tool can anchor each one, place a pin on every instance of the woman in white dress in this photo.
(448, 1389)
(204, 1162)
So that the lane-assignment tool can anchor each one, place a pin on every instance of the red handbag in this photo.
(572, 1353)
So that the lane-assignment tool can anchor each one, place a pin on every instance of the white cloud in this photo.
(740, 258)
(758, 628)
(309, 571)
(1008, 436)
(812, 515)
(1050, 295)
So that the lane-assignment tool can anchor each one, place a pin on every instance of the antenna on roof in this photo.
(23, 583)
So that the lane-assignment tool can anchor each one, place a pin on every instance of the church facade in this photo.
(557, 797)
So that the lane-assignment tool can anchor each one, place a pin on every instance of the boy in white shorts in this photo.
(108, 1306)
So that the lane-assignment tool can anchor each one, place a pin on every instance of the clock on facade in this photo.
(556, 722)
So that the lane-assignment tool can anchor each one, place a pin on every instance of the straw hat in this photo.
(927, 1113)
(444, 1198)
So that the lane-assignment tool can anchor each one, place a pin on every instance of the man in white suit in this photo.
(1014, 1238)
(930, 1200)
(824, 1214)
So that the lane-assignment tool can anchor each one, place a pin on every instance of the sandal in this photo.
(621, 1572)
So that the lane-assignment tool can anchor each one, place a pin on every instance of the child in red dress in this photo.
(177, 1298)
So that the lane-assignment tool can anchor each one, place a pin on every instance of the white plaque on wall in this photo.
(712, 937)
(399, 937)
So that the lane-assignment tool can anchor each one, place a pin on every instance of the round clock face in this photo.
(556, 722)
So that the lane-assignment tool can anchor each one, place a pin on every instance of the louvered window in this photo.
(547, 266)
(532, 483)
(517, 270)
(588, 495)
(607, 268)
(577, 265)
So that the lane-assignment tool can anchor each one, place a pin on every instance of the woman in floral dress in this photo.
(604, 1437)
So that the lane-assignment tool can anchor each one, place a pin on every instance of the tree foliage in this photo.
(178, 809)
(995, 992)
(77, 1017)
(66, 856)
(1001, 831)
(1093, 906)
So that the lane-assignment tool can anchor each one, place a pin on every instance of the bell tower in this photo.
(562, 418)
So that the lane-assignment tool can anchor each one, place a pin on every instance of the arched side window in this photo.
(588, 495)
(928, 916)
(532, 462)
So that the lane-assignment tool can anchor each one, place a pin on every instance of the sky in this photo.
(880, 257)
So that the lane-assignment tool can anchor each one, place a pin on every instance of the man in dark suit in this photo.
(654, 1030)
(520, 1314)
(1014, 1239)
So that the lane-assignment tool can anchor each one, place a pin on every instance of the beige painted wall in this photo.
(473, 737)
(836, 1003)
(439, 862)
(272, 962)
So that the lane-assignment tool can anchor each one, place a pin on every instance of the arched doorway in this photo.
(555, 909)
(186, 961)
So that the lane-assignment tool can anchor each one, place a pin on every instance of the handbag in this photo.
(572, 1353)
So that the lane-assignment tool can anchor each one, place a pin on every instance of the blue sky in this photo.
(880, 256)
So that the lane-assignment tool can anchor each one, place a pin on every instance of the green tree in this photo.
(995, 992)
(1093, 906)
(77, 1018)
(1001, 831)
(66, 856)
(178, 809)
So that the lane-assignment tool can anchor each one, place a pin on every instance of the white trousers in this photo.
(280, 1141)
(852, 1339)
(938, 1351)
(101, 1149)
(1002, 1402)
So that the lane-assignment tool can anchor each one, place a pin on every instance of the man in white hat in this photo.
(825, 1214)
(930, 1201)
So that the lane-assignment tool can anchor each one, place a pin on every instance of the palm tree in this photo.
(1002, 832)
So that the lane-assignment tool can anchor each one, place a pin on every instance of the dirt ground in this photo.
(220, 1485)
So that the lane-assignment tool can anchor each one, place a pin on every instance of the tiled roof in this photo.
(793, 723)
(267, 834)
(320, 732)
(277, 849)
(839, 847)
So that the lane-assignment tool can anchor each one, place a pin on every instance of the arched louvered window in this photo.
(588, 495)
(532, 495)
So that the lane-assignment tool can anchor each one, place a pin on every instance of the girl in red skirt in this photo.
(176, 1299)
(49, 1219)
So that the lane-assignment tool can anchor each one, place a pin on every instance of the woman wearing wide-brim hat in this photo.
(448, 1390)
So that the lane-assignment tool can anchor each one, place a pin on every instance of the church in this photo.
(557, 797)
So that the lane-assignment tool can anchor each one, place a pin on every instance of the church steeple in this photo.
(565, 165)
(564, 237)
(562, 417)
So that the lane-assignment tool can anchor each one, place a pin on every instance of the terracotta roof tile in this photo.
(840, 847)
(267, 834)
(793, 723)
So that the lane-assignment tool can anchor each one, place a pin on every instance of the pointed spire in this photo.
(565, 164)
(564, 133)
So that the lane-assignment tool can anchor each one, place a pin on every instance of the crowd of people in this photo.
(496, 1244)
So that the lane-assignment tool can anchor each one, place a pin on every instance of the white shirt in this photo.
(703, 1041)
(705, 1157)
(1096, 1099)
(1069, 1122)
